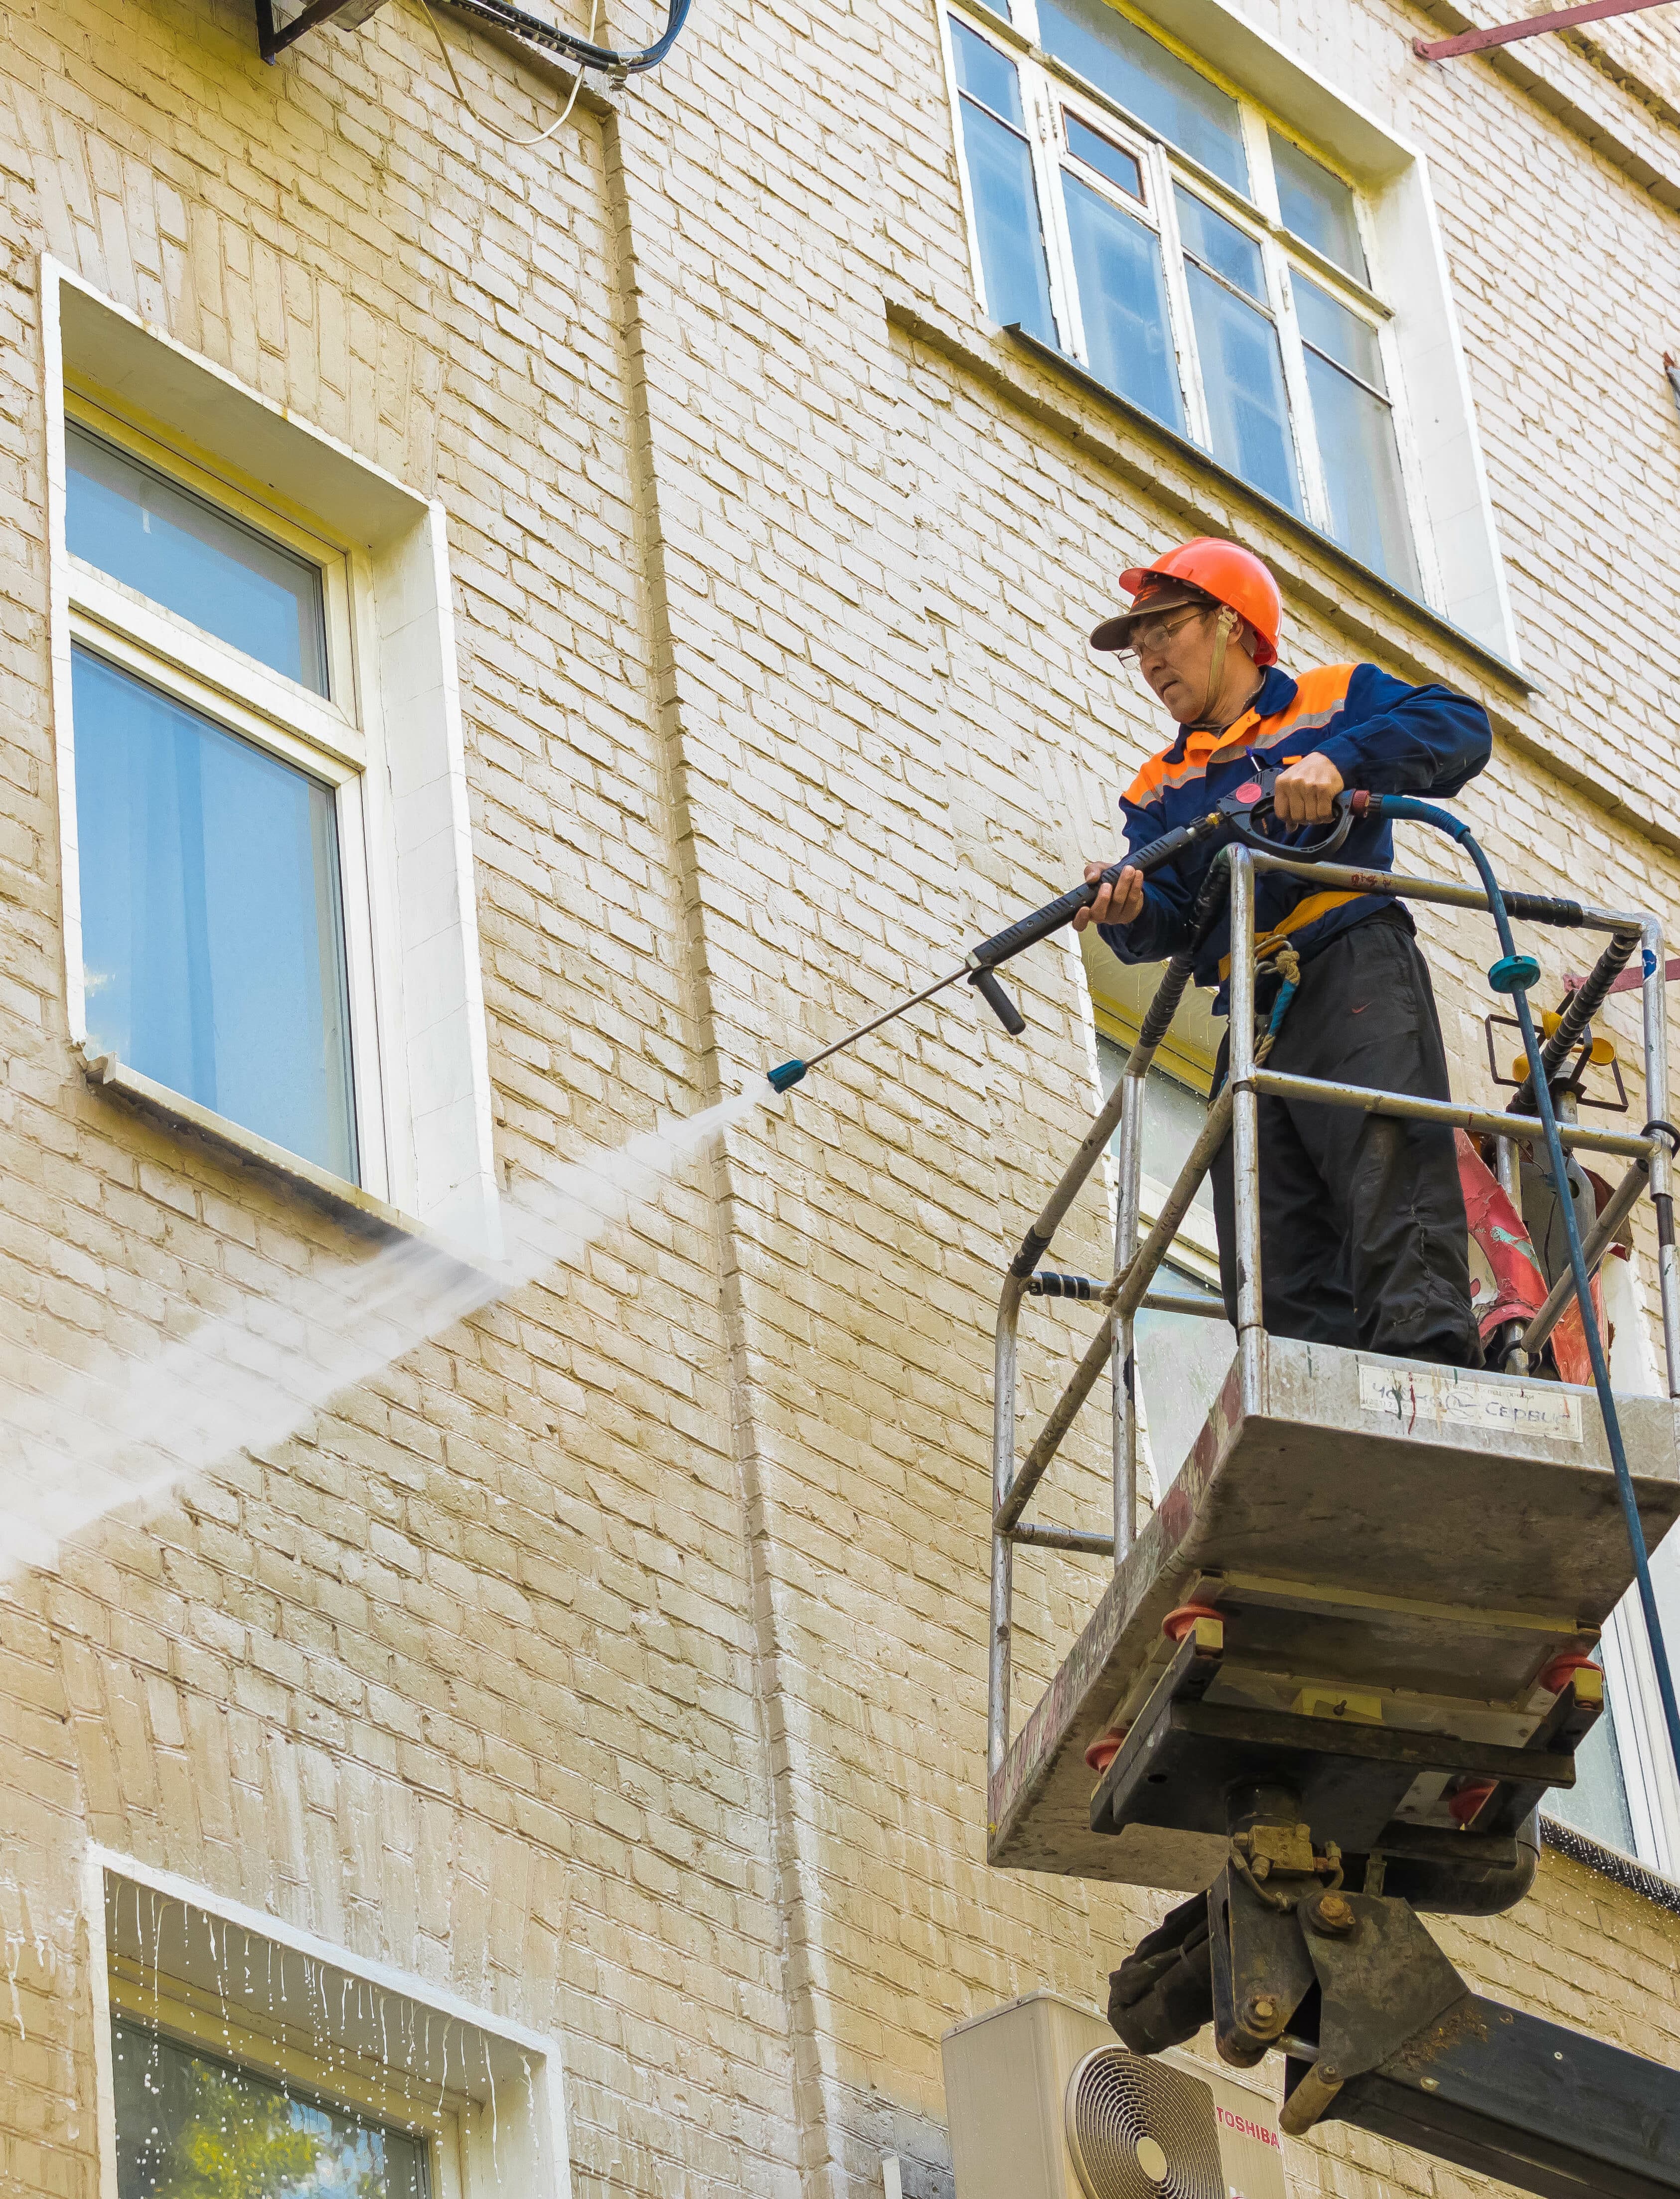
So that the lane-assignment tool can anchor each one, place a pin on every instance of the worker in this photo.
(1363, 1236)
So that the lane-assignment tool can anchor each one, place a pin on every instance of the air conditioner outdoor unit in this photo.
(1044, 2103)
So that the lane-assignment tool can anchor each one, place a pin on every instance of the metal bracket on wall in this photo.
(273, 37)
(1531, 26)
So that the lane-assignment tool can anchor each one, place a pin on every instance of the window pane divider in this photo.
(1247, 297)
(251, 701)
(1187, 351)
(1347, 289)
(1315, 490)
(1342, 367)
(1013, 128)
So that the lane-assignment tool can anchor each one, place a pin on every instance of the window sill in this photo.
(1610, 1863)
(347, 1201)
(1232, 485)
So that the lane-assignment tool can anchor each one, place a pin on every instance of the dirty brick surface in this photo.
(617, 1660)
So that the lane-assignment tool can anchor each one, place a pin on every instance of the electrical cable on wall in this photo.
(577, 50)
(508, 137)
(273, 37)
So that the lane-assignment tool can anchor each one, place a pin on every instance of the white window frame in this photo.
(322, 735)
(389, 736)
(1650, 1781)
(1442, 478)
(496, 2122)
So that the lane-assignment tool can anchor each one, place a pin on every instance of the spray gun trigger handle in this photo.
(987, 984)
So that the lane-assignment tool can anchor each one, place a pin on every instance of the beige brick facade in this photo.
(617, 1662)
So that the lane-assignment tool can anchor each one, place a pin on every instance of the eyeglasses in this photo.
(1154, 633)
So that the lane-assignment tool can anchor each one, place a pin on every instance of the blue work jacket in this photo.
(1379, 734)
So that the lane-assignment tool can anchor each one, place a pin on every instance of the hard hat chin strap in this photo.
(1223, 627)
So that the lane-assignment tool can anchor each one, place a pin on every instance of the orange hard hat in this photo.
(1205, 567)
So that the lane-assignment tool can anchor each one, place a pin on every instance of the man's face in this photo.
(1174, 653)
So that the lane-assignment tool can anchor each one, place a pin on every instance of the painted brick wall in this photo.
(618, 1659)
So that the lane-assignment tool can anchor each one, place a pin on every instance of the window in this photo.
(268, 912)
(249, 2061)
(1597, 1804)
(189, 2122)
(1134, 214)
(213, 903)
(1182, 1358)
(1000, 176)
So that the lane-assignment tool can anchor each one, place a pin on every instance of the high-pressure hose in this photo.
(1513, 975)
(1578, 1009)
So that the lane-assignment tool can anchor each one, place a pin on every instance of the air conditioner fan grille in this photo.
(1138, 2129)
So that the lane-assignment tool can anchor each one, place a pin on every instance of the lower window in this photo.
(1182, 1358)
(190, 2125)
(1597, 1804)
(213, 937)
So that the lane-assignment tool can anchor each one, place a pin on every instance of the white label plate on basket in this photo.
(1444, 1397)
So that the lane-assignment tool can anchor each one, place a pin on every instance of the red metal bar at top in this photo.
(1630, 981)
(1531, 26)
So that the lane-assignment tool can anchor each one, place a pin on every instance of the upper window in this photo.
(1132, 213)
(212, 801)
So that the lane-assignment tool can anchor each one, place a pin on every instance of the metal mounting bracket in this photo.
(273, 38)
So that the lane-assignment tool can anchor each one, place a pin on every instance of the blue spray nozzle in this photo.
(785, 1074)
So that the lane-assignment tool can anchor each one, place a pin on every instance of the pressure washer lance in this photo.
(1240, 816)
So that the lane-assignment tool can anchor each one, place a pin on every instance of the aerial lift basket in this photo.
(1332, 1677)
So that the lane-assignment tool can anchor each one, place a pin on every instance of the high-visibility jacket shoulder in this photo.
(1379, 734)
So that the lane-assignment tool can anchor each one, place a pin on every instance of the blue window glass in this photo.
(1357, 444)
(1317, 206)
(986, 74)
(1241, 357)
(188, 2123)
(1329, 326)
(1242, 379)
(1597, 1804)
(1220, 244)
(1000, 176)
(1122, 299)
(1108, 160)
(1361, 472)
(213, 943)
(183, 553)
(1138, 73)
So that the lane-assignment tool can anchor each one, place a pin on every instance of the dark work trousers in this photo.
(1363, 1239)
